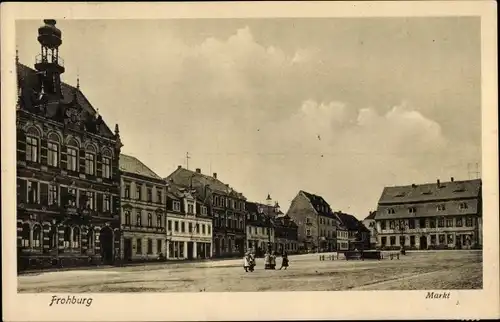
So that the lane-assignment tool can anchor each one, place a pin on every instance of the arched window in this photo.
(158, 220)
(32, 144)
(138, 219)
(53, 237)
(25, 236)
(53, 150)
(90, 239)
(76, 238)
(127, 218)
(37, 236)
(150, 220)
(72, 155)
(106, 164)
(90, 160)
(67, 237)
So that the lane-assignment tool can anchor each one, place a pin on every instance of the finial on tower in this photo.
(77, 82)
(17, 55)
(117, 130)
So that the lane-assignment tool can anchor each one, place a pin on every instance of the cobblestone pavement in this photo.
(415, 271)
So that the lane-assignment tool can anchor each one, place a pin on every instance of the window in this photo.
(106, 167)
(308, 232)
(421, 223)
(107, 203)
(158, 246)
(72, 197)
(158, 195)
(433, 239)
(67, 237)
(411, 224)
(138, 192)
(176, 206)
(72, 155)
(127, 191)
(469, 222)
(197, 228)
(90, 238)
(138, 219)
(432, 223)
(204, 210)
(450, 239)
(176, 226)
(183, 227)
(383, 225)
(459, 221)
(308, 220)
(209, 229)
(158, 221)
(170, 225)
(150, 194)
(402, 240)
(32, 192)
(25, 235)
(441, 222)
(150, 246)
(90, 200)
(442, 239)
(412, 240)
(89, 163)
(463, 205)
(390, 211)
(393, 240)
(190, 227)
(37, 236)
(139, 246)
(441, 207)
(449, 222)
(53, 195)
(150, 220)
(31, 149)
(127, 218)
(53, 154)
(412, 210)
(391, 224)
(203, 229)
(76, 238)
(190, 209)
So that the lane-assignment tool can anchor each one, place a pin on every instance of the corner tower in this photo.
(48, 63)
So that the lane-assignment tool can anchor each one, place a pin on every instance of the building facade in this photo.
(358, 236)
(439, 215)
(189, 225)
(369, 223)
(285, 234)
(68, 181)
(227, 207)
(259, 228)
(316, 222)
(143, 211)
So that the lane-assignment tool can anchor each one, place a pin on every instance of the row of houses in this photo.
(80, 200)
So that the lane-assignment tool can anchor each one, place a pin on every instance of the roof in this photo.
(319, 204)
(428, 209)
(133, 165)
(30, 83)
(371, 215)
(348, 221)
(185, 177)
(431, 192)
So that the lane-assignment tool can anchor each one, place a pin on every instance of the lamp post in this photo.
(402, 228)
(268, 202)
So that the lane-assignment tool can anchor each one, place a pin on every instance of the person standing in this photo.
(246, 261)
(251, 262)
(273, 260)
(267, 260)
(284, 262)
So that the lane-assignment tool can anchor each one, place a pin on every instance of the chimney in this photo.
(215, 175)
(452, 179)
(413, 185)
(179, 166)
(438, 183)
(198, 170)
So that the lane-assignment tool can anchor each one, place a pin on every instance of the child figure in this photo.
(267, 261)
(273, 260)
(246, 261)
(251, 262)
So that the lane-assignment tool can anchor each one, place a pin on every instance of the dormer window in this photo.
(176, 205)
(190, 209)
(391, 211)
(203, 210)
(441, 207)
(412, 210)
(463, 205)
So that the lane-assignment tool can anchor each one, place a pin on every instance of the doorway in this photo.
(127, 249)
(106, 240)
(190, 250)
(423, 242)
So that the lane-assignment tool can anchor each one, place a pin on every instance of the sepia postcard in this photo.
(248, 161)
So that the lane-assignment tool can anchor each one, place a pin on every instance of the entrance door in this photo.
(423, 242)
(127, 249)
(458, 243)
(190, 250)
(106, 239)
(217, 247)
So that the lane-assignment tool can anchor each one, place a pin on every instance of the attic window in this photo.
(390, 211)
(459, 189)
(426, 192)
(463, 205)
(412, 210)
(441, 207)
(401, 194)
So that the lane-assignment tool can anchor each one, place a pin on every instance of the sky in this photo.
(338, 107)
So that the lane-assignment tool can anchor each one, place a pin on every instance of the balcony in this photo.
(49, 59)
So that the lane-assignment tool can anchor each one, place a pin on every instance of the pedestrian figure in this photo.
(246, 261)
(273, 260)
(251, 262)
(284, 262)
(267, 260)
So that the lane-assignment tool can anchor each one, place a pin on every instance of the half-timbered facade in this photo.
(67, 168)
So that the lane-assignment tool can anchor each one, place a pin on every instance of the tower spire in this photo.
(48, 62)
(17, 55)
(77, 82)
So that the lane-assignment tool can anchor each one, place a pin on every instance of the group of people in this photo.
(269, 261)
